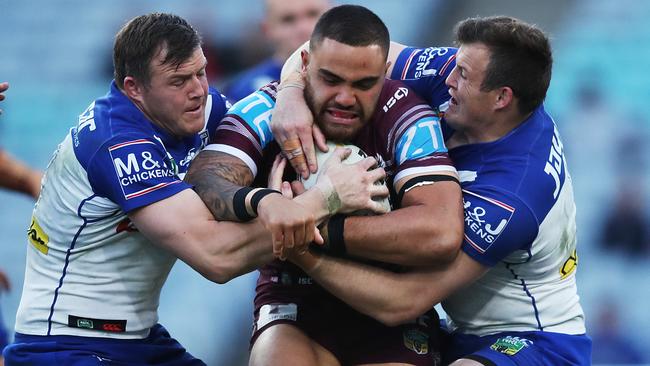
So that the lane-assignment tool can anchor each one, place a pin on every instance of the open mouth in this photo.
(342, 116)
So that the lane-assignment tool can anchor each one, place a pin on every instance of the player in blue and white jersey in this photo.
(297, 322)
(286, 25)
(114, 212)
(510, 295)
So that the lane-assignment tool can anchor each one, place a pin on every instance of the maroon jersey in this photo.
(405, 137)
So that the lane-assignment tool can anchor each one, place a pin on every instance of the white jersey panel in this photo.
(96, 263)
(527, 291)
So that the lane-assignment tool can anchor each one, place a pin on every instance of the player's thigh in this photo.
(286, 345)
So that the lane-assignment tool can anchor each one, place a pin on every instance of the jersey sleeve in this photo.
(415, 139)
(218, 106)
(496, 224)
(425, 70)
(133, 172)
(245, 131)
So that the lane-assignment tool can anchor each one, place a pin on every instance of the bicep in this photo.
(448, 187)
(216, 177)
(209, 165)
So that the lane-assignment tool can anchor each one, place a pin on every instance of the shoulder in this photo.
(497, 222)
(416, 63)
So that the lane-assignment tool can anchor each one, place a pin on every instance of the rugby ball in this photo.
(356, 156)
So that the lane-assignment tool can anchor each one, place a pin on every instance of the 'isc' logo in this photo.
(399, 94)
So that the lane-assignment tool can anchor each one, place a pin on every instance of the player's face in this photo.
(289, 23)
(175, 98)
(469, 105)
(343, 85)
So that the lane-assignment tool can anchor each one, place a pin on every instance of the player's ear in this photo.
(132, 88)
(388, 63)
(304, 56)
(504, 97)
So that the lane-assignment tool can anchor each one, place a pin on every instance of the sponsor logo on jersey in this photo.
(137, 166)
(510, 345)
(485, 219)
(421, 139)
(106, 325)
(423, 67)
(256, 110)
(188, 158)
(273, 312)
(37, 236)
(555, 162)
(569, 265)
(416, 340)
(400, 93)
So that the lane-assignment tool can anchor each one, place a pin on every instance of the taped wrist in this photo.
(247, 199)
(335, 244)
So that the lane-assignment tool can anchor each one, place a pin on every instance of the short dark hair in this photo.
(520, 56)
(352, 25)
(142, 37)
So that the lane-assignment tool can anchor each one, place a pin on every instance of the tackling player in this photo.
(510, 295)
(114, 213)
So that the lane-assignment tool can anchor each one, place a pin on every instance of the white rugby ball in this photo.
(356, 155)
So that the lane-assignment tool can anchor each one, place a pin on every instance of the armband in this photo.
(246, 200)
(422, 180)
(335, 244)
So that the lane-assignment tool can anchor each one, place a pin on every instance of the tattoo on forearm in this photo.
(216, 177)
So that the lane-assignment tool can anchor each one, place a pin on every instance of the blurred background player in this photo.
(15, 176)
(286, 25)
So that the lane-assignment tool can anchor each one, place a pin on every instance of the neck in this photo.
(488, 131)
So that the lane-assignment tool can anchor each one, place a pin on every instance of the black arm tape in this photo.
(423, 178)
(239, 204)
(257, 197)
(336, 243)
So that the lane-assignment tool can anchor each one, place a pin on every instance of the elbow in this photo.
(441, 246)
(219, 273)
(217, 276)
(451, 243)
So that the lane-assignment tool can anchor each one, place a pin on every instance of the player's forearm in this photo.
(388, 297)
(244, 248)
(216, 177)
(316, 203)
(410, 236)
(16, 176)
(293, 63)
(219, 250)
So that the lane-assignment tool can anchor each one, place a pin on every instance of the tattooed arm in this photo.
(216, 177)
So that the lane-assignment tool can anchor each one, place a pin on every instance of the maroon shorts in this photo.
(286, 295)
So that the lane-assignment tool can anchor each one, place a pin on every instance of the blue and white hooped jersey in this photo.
(519, 218)
(89, 271)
